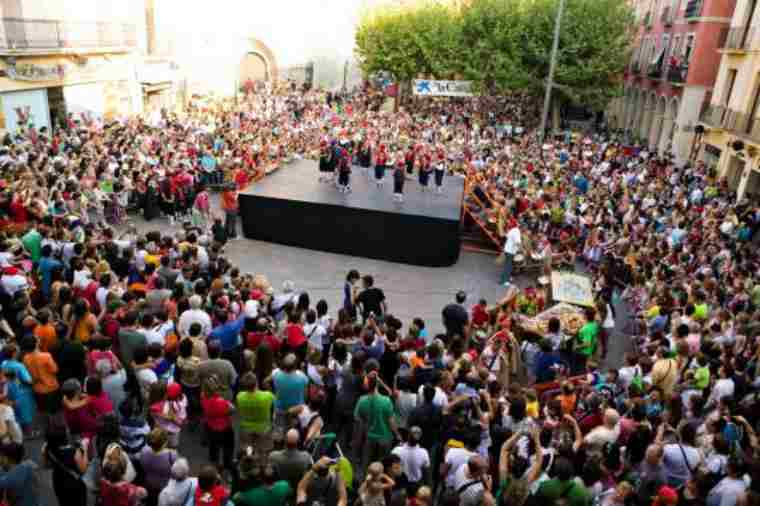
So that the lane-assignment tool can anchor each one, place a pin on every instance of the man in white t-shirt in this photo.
(512, 247)
(13, 280)
(457, 457)
(313, 331)
(415, 461)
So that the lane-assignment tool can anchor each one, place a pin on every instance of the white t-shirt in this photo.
(439, 399)
(472, 495)
(5, 259)
(676, 466)
(413, 461)
(456, 458)
(316, 334)
(146, 377)
(514, 241)
(13, 284)
(723, 387)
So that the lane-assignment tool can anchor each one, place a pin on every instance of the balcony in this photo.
(693, 10)
(655, 71)
(636, 67)
(714, 115)
(667, 16)
(677, 74)
(738, 123)
(648, 20)
(42, 36)
(737, 39)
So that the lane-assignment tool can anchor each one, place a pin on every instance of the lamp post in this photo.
(552, 66)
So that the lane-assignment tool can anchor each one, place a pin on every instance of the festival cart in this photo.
(573, 293)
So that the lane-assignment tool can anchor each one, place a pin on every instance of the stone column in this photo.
(668, 123)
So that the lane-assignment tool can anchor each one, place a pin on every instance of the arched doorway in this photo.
(669, 127)
(659, 121)
(253, 68)
(257, 65)
(646, 124)
(672, 115)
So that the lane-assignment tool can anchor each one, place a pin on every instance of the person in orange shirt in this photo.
(43, 369)
(230, 206)
(568, 398)
(45, 331)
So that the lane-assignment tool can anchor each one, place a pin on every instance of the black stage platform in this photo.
(291, 207)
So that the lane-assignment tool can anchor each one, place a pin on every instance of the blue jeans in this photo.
(506, 275)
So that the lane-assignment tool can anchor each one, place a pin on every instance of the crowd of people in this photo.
(118, 346)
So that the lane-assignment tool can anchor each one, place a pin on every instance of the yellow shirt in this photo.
(531, 409)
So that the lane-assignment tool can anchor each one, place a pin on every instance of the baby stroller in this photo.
(326, 445)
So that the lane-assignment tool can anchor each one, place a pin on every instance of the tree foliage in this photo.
(502, 45)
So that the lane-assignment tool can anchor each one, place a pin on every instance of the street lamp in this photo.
(552, 66)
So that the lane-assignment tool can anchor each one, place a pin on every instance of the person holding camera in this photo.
(322, 486)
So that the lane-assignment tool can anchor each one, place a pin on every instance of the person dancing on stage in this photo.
(324, 162)
(424, 171)
(344, 171)
(380, 165)
(399, 176)
(410, 158)
(440, 168)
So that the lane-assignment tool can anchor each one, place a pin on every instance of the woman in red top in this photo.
(217, 412)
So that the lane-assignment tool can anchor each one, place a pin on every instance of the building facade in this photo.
(672, 71)
(57, 61)
(730, 141)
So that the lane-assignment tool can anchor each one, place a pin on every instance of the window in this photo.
(730, 81)
(689, 49)
(676, 45)
(754, 106)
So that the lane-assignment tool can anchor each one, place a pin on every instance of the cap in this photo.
(174, 391)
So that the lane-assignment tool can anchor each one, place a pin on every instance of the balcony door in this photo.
(750, 17)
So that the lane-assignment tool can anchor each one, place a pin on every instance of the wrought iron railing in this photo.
(677, 74)
(20, 34)
(655, 71)
(693, 9)
(648, 20)
(714, 115)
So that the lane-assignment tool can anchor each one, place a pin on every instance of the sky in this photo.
(296, 30)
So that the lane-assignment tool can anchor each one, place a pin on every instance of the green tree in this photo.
(502, 45)
(593, 49)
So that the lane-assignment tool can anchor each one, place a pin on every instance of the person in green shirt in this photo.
(701, 308)
(563, 486)
(269, 493)
(586, 342)
(702, 373)
(256, 408)
(32, 242)
(375, 412)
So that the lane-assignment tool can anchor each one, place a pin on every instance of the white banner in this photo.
(429, 88)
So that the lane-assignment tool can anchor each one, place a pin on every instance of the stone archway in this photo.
(658, 124)
(646, 123)
(635, 117)
(258, 63)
